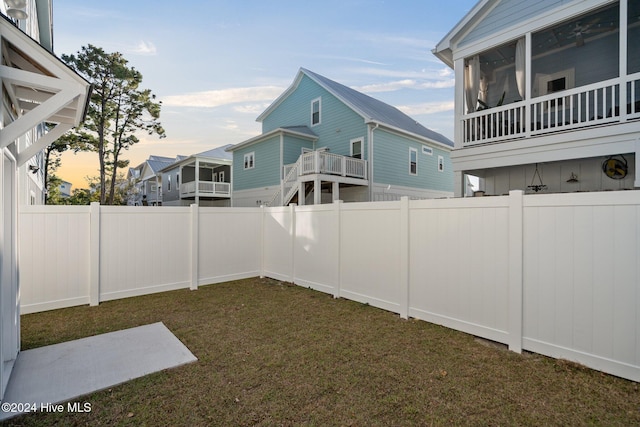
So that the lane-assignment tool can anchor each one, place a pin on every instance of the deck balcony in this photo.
(205, 189)
(316, 167)
(579, 73)
(592, 105)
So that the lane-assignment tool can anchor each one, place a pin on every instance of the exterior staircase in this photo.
(333, 167)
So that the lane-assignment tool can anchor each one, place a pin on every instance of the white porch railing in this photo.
(590, 105)
(332, 164)
(205, 188)
(317, 162)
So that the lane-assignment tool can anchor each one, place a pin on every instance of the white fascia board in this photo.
(572, 145)
(444, 47)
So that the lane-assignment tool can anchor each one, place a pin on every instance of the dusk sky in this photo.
(216, 65)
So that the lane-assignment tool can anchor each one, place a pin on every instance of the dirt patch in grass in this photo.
(272, 353)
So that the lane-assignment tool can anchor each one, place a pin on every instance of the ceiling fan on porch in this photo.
(579, 30)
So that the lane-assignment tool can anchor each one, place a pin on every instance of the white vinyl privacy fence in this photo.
(555, 274)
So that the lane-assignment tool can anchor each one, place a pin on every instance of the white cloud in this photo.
(427, 108)
(254, 109)
(217, 98)
(144, 48)
(230, 125)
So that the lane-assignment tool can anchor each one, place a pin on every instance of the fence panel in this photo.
(316, 248)
(459, 264)
(54, 257)
(370, 254)
(229, 244)
(278, 238)
(555, 274)
(581, 279)
(143, 250)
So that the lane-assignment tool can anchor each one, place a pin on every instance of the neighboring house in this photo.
(323, 141)
(65, 190)
(146, 181)
(135, 193)
(203, 178)
(36, 87)
(547, 95)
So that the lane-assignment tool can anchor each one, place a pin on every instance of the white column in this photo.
(197, 178)
(623, 60)
(527, 79)
(317, 191)
(335, 191)
(458, 101)
(459, 187)
(301, 195)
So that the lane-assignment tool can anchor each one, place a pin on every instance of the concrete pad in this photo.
(65, 371)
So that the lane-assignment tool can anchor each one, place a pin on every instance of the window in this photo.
(177, 180)
(315, 112)
(556, 82)
(356, 148)
(427, 150)
(169, 183)
(221, 176)
(440, 164)
(249, 160)
(413, 161)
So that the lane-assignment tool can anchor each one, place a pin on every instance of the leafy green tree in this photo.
(82, 196)
(117, 110)
(53, 190)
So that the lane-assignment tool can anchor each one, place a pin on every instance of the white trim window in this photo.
(356, 147)
(413, 161)
(221, 176)
(427, 150)
(316, 106)
(440, 164)
(168, 182)
(250, 160)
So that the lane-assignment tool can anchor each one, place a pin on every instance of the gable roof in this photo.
(443, 48)
(370, 109)
(219, 154)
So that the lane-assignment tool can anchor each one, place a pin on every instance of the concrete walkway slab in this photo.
(61, 372)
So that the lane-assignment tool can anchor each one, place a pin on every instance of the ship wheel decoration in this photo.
(615, 168)
(536, 187)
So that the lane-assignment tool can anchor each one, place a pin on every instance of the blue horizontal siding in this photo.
(293, 148)
(391, 163)
(267, 165)
(339, 124)
(507, 14)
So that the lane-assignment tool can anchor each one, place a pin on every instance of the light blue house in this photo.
(323, 141)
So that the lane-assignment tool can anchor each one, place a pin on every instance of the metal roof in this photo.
(217, 153)
(376, 111)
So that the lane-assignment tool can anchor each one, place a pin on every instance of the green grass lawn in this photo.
(271, 353)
